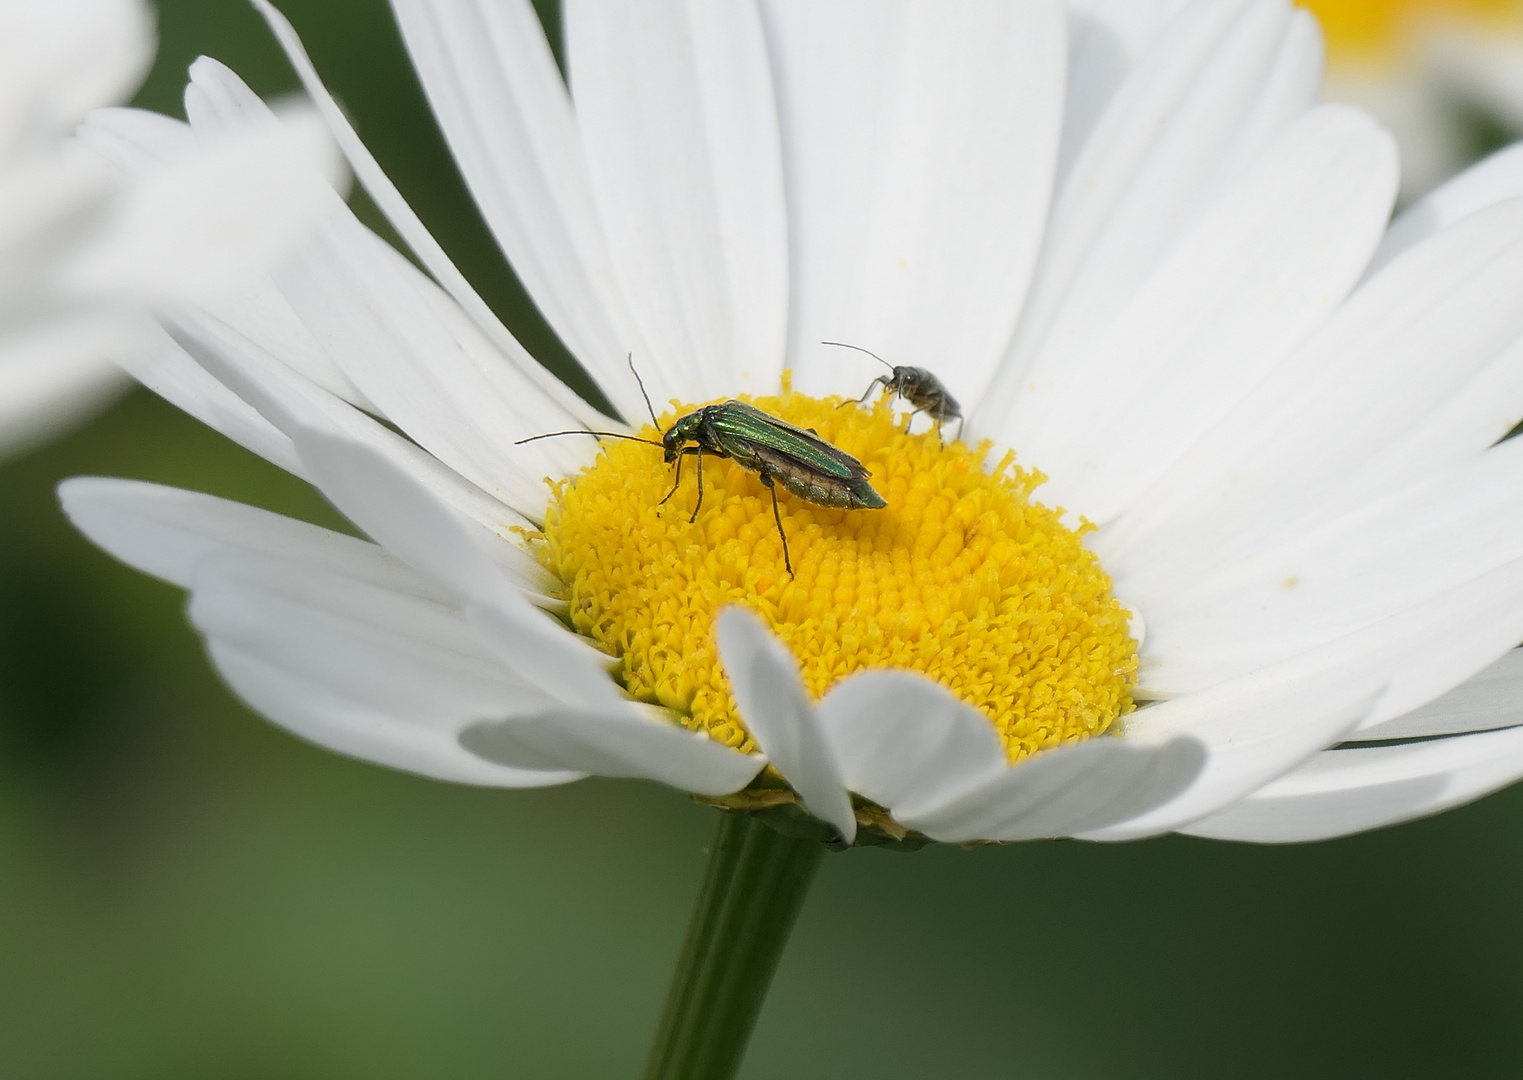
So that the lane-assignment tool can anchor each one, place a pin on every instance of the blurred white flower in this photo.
(1431, 71)
(58, 60)
(85, 249)
(1123, 234)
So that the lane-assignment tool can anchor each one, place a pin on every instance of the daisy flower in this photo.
(1232, 497)
(84, 250)
(1433, 71)
(1230, 546)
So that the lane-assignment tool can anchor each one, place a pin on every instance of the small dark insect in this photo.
(915, 385)
(778, 452)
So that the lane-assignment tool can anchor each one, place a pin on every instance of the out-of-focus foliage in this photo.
(187, 892)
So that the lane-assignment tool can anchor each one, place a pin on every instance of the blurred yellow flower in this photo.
(1378, 30)
(1446, 76)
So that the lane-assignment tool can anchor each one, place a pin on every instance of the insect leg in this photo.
(879, 381)
(678, 484)
(699, 504)
(766, 478)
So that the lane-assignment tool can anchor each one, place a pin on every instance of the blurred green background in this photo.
(186, 891)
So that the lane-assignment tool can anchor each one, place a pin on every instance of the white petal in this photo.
(777, 712)
(56, 376)
(207, 223)
(1426, 541)
(406, 516)
(919, 144)
(1290, 87)
(1348, 791)
(61, 58)
(1496, 179)
(1071, 789)
(500, 101)
(1252, 729)
(332, 638)
(409, 520)
(261, 314)
(1466, 414)
(1261, 725)
(409, 350)
(328, 635)
(907, 743)
(168, 532)
(1156, 160)
(357, 730)
(1105, 40)
(219, 104)
(169, 371)
(296, 406)
(1329, 429)
(631, 746)
(676, 113)
(360, 320)
(50, 203)
(134, 141)
(373, 644)
(1449, 639)
(401, 216)
(1266, 265)
(1492, 698)
(539, 649)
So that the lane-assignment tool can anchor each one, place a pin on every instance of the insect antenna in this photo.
(609, 434)
(654, 422)
(587, 431)
(869, 352)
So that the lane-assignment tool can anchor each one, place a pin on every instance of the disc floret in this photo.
(962, 577)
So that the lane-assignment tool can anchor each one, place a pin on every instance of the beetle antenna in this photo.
(869, 352)
(585, 431)
(654, 422)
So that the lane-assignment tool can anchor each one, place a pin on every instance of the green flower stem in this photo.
(751, 895)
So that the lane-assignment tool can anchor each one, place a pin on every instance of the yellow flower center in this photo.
(962, 577)
(1364, 31)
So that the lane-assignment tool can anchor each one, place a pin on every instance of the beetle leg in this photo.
(766, 478)
(682, 454)
(699, 504)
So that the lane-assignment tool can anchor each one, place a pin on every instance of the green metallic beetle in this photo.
(778, 452)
